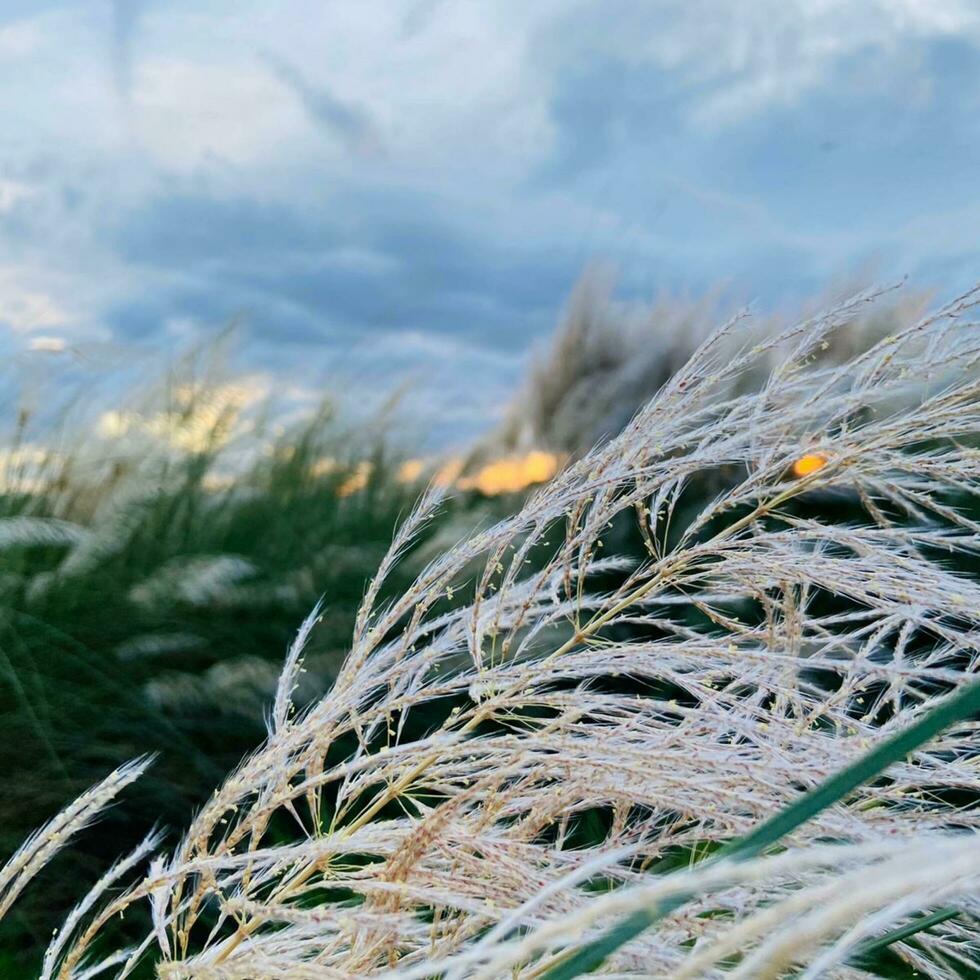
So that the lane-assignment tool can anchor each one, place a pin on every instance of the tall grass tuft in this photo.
(149, 581)
(608, 357)
(539, 736)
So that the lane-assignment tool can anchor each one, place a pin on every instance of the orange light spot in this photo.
(506, 474)
(511, 474)
(356, 481)
(448, 473)
(808, 464)
(411, 470)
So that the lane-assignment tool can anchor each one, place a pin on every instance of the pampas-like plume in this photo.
(608, 357)
(34, 532)
(196, 581)
(526, 684)
(42, 845)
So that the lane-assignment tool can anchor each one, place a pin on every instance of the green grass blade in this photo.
(590, 957)
(868, 950)
(960, 705)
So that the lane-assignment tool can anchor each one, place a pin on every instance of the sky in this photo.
(403, 192)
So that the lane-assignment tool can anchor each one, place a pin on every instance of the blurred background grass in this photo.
(155, 561)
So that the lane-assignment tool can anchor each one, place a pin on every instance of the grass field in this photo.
(516, 723)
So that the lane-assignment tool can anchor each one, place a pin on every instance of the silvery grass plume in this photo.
(430, 815)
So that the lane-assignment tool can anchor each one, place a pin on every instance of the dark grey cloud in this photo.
(605, 109)
(181, 227)
(374, 260)
(339, 118)
(126, 16)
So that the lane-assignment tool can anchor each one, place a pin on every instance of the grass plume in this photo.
(539, 735)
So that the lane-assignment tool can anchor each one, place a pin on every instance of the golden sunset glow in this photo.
(410, 470)
(448, 473)
(511, 474)
(508, 474)
(357, 480)
(324, 466)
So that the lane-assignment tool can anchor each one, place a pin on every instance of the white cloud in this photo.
(19, 39)
(460, 91)
(742, 57)
(186, 113)
(48, 345)
(25, 308)
(12, 192)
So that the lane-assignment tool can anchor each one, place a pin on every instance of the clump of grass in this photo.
(608, 357)
(150, 580)
(523, 744)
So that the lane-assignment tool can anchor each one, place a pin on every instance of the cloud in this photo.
(18, 40)
(19, 12)
(602, 108)
(48, 345)
(737, 59)
(790, 187)
(419, 17)
(23, 307)
(771, 143)
(343, 120)
(12, 193)
(126, 15)
(371, 259)
(190, 114)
